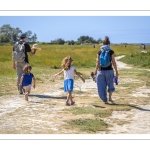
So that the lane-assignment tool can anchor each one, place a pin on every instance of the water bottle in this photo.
(115, 80)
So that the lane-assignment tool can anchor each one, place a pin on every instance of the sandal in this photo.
(72, 103)
(67, 104)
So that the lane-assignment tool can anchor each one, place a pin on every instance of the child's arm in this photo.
(79, 75)
(34, 82)
(58, 73)
(21, 79)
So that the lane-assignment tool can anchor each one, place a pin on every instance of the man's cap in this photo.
(23, 35)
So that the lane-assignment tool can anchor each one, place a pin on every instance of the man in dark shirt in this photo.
(18, 66)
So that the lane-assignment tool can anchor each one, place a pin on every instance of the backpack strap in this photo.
(22, 42)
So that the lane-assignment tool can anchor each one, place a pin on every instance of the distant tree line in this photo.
(9, 34)
(80, 40)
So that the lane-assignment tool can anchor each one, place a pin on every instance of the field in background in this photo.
(48, 60)
(46, 112)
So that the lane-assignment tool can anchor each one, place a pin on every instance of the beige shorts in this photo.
(27, 87)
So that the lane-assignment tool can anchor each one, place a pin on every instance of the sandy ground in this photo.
(139, 123)
(44, 113)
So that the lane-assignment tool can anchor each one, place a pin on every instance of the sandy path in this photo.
(44, 114)
(139, 120)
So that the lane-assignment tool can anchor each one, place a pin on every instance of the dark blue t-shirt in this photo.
(27, 79)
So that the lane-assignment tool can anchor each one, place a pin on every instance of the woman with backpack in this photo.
(104, 71)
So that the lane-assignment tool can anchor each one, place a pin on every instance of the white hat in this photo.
(35, 46)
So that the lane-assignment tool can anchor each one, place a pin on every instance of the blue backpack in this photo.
(104, 58)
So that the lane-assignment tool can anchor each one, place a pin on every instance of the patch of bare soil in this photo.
(137, 119)
(46, 113)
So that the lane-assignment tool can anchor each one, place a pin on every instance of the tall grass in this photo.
(126, 50)
(50, 57)
(138, 59)
(6, 61)
(83, 55)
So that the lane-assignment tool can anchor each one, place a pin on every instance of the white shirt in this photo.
(69, 74)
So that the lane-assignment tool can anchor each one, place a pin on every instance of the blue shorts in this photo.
(68, 85)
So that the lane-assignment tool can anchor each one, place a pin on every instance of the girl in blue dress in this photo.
(69, 70)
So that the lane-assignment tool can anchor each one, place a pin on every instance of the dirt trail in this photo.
(44, 113)
(139, 120)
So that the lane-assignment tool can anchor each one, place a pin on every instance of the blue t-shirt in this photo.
(27, 79)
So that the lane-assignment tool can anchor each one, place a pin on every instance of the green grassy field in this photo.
(83, 55)
(48, 61)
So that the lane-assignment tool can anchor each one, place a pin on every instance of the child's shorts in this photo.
(68, 85)
(27, 87)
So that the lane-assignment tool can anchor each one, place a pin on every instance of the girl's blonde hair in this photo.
(26, 68)
(66, 62)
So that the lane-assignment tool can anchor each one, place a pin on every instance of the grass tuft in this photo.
(89, 125)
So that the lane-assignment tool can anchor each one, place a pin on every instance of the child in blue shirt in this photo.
(26, 80)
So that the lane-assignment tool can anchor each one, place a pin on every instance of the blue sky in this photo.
(120, 29)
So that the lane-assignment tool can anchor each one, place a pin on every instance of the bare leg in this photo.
(110, 97)
(26, 96)
(27, 92)
(69, 97)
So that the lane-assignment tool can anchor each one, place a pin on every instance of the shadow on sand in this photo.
(133, 106)
(47, 96)
(137, 107)
(64, 98)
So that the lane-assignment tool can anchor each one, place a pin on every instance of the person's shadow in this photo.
(46, 96)
(115, 104)
(137, 107)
